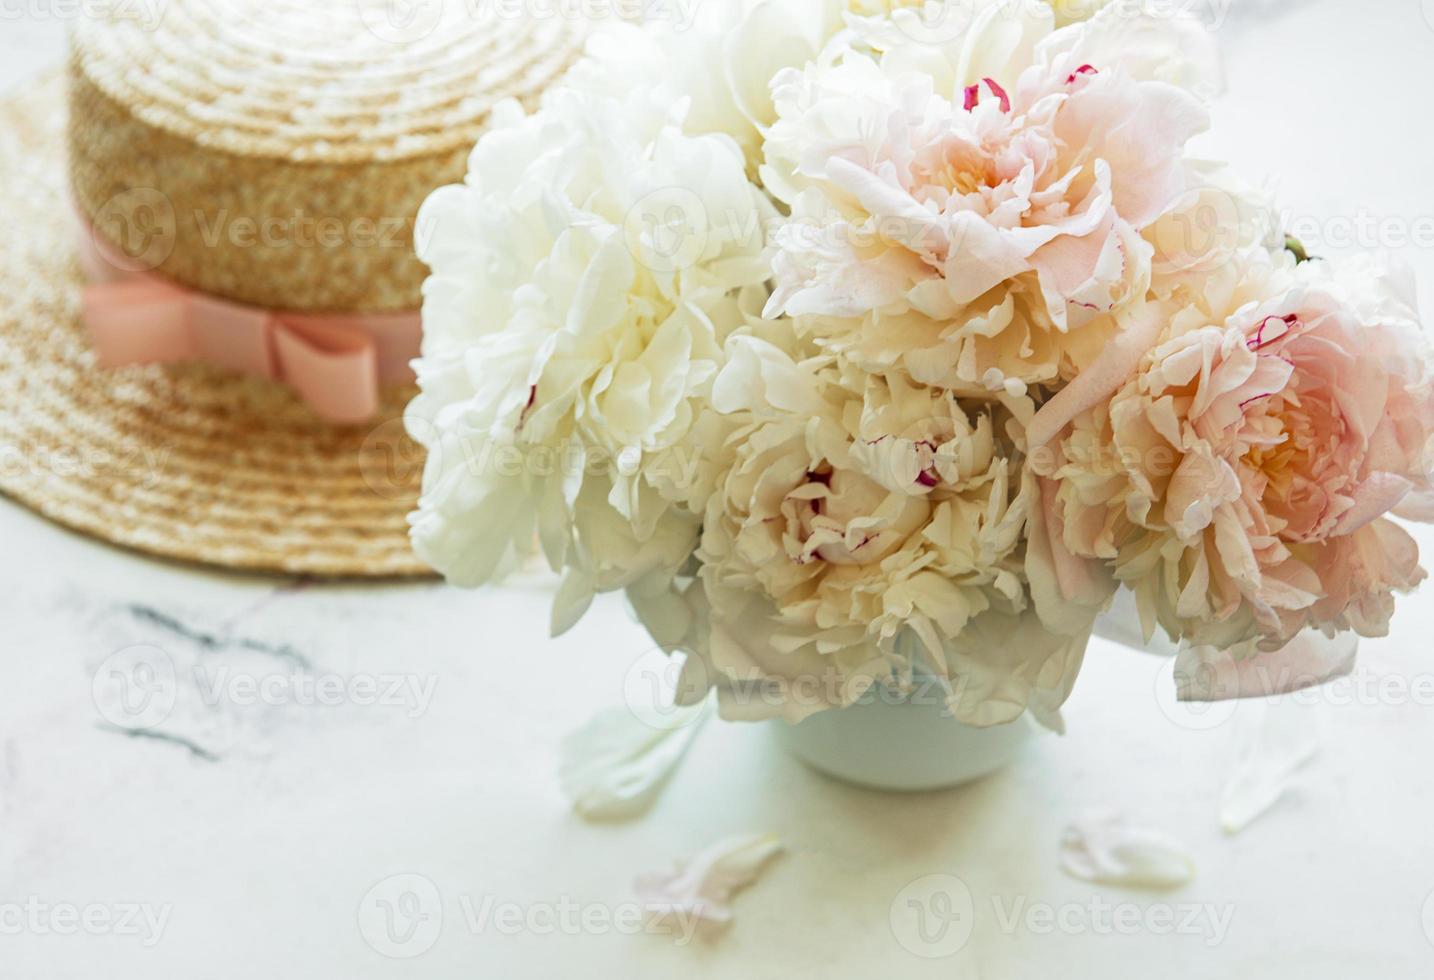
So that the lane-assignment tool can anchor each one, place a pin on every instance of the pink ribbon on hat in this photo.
(334, 361)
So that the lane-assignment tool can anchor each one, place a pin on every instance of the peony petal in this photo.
(613, 767)
(1205, 674)
(771, 37)
(980, 257)
(1122, 625)
(1372, 499)
(661, 610)
(1277, 740)
(910, 225)
(1096, 383)
(1104, 849)
(575, 596)
(760, 377)
(1068, 592)
(701, 890)
(1169, 45)
(1418, 506)
(1137, 131)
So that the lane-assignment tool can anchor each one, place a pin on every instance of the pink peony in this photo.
(1240, 481)
(981, 237)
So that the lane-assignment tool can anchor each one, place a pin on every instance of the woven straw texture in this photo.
(276, 152)
(183, 462)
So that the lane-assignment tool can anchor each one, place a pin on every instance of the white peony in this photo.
(584, 279)
(721, 64)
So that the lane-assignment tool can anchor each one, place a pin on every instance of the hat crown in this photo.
(359, 80)
(276, 152)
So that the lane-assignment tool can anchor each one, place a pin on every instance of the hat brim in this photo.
(183, 462)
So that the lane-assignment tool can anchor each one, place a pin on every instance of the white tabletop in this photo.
(261, 840)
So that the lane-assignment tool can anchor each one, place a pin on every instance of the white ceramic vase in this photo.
(913, 744)
(907, 746)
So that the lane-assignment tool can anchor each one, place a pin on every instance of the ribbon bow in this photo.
(335, 362)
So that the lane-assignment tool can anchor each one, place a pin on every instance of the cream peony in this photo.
(584, 279)
(864, 528)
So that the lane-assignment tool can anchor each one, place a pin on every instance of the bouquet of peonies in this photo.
(858, 340)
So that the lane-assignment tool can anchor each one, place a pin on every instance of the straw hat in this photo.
(244, 116)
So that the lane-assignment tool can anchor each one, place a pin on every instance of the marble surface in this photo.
(346, 782)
